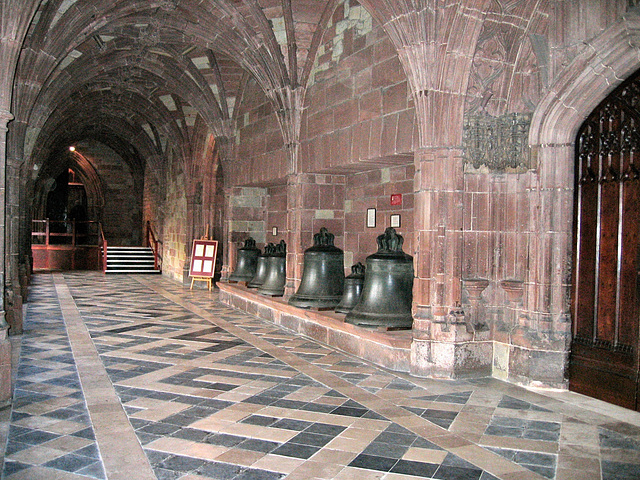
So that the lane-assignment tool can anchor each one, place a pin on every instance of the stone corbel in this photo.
(515, 292)
(475, 319)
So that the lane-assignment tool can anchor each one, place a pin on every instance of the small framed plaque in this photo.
(371, 217)
(395, 220)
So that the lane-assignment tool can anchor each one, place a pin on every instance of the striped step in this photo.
(130, 260)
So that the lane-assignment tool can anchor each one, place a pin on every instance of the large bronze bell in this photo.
(387, 291)
(352, 289)
(276, 276)
(322, 281)
(247, 262)
(261, 268)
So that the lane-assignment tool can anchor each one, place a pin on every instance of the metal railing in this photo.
(155, 245)
(65, 232)
(103, 243)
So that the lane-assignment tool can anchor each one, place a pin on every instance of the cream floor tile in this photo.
(37, 455)
(424, 455)
(240, 457)
(278, 463)
(318, 469)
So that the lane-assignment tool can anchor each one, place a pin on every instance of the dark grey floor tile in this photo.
(535, 458)
(349, 411)
(11, 467)
(155, 457)
(180, 463)
(70, 462)
(90, 451)
(95, 470)
(257, 445)
(325, 429)
(371, 462)
(159, 428)
(313, 439)
(419, 469)
(219, 470)
(296, 450)
(191, 434)
(396, 438)
(255, 474)
(259, 420)
(224, 439)
(620, 471)
(291, 424)
(447, 472)
(385, 450)
(163, 474)
(35, 437)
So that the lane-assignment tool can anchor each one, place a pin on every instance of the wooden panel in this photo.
(604, 360)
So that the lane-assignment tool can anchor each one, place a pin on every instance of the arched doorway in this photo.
(605, 300)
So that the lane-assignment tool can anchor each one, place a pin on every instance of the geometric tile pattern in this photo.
(211, 392)
(50, 426)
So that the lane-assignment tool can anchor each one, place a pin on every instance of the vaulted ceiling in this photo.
(150, 73)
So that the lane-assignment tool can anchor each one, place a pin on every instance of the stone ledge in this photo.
(390, 350)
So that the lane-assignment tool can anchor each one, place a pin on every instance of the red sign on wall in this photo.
(396, 199)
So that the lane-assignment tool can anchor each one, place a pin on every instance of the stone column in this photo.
(442, 344)
(13, 290)
(5, 345)
(295, 221)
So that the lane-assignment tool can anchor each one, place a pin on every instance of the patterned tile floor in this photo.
(137, 377)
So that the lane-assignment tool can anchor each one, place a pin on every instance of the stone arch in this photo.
(604, 63)
(93, 185)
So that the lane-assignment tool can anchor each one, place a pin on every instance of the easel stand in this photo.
(203, 260)
(201, 279)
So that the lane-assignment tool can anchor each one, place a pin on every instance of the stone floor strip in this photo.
(122, 454)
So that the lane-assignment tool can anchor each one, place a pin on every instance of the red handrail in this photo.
(153, 242)
(103, 241)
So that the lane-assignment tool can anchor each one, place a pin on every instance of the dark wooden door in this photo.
(605, 301)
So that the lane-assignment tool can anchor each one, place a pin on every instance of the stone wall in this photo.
(176, 250)
(122, 211)
(373, 189)
(358, 107)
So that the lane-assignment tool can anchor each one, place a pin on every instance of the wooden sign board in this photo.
(203, 260)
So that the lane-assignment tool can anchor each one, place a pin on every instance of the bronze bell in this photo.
(322, 281)
(247, 262)
(388, 283)
(276, 276)
(261, 268)
(352, 289)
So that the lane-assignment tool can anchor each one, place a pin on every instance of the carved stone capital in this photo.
(5, 117)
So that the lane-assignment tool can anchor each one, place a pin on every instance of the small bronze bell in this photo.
(322, 281)
(261, 268)
(388, 283)
(276, 276)
(352, 289)
(247, 262)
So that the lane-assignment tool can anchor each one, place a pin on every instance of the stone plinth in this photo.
(390, 350)
(5, 365)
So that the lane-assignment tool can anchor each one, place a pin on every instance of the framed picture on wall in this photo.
(395, 220)
(371, 217)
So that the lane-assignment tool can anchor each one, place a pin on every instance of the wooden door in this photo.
(605, 301)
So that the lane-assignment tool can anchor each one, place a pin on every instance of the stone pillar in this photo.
(5, 345)
(194, 230)
(295, 227)
(228, 252)
(540, 345)
(13, 290)
(442, 344)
